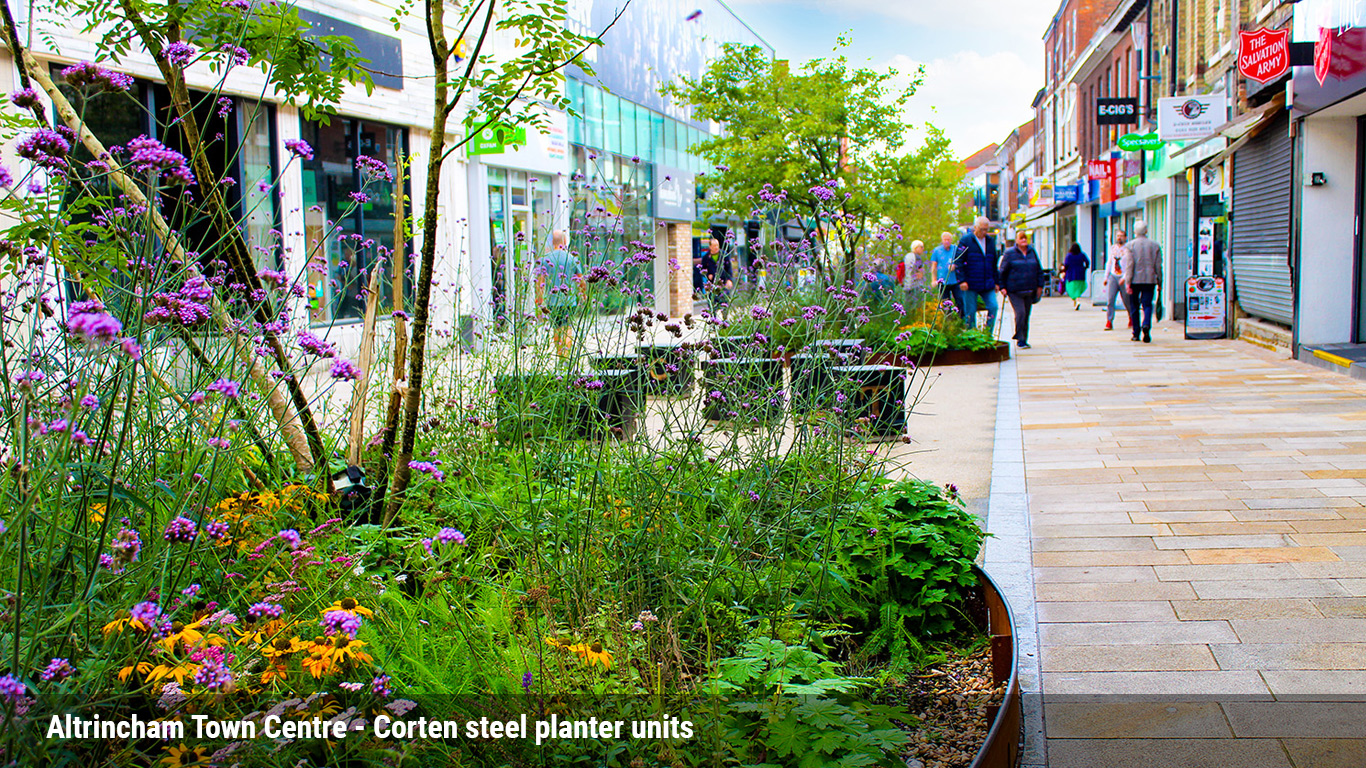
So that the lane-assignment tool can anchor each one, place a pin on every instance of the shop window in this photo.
(350, 221)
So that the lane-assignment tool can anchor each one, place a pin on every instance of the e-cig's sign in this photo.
(1116, 111)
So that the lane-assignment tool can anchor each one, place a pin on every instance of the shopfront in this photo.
(1328, 117)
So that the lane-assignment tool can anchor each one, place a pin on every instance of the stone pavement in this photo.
(1186, 543)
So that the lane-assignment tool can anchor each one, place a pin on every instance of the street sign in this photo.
(1205, 308)
(1190, 117)
(1116, 111)
(1133, 142)
(1264, 55)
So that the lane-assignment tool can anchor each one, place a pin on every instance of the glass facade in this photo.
(614, 125)
(520, 218)
(346, 238)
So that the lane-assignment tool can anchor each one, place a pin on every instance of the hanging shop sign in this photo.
(1066, 193)
(1205, 308)
(1133, 142)
(1190, 117)
(1041, 191)
(1116, 111)
(1264, 54)
(1097, 169)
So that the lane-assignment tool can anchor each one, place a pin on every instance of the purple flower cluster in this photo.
(217, 530)
(24, 98)
(528, 680)
(236, 54)
(213, 675)
(44, 147)
(94, 329)
(181, 529)
(372, 169)
(87, 73)
(299, 148)
(450, 535)
(11, 689)
(428, 467)
(380, 686)
(145, 613)
(290, 537)
(266, 611)
(345, 370)
(127, 545)
(28, 381)
(180, 53)
(6, 178)
(147, 155)
(187, 306)
(315, 346)
(226, 388)
(343, 622)
(239, 5)
(57, 670)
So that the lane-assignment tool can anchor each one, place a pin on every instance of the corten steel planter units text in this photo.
(743, 390)
(876, 393)
(1002, 747)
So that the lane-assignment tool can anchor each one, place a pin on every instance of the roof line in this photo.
(746, 25)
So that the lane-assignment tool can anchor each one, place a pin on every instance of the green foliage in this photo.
(908, 557)
(796, 710)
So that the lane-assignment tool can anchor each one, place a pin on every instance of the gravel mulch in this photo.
(951, 700)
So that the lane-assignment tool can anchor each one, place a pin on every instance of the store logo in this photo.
(1264, 55)
(1192, 109)
(1323, 54)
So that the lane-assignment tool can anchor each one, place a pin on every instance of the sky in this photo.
(983, 59)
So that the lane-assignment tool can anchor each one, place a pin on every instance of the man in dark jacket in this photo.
(1022, 281)
(975, 267)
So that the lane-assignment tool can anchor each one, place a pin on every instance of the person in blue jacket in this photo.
(974, 265)
(1022, 281)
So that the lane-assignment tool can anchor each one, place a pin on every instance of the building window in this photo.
(346, 239)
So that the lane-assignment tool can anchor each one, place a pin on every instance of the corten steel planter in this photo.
(618, 362)
(845, 351)
(812, 382)
(736, 347)
(593, 405)
(997, 354)
(669, 368)
(1002, 746)
(743, 390)
(876, 393)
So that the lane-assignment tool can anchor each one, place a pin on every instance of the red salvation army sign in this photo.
(1264, 55)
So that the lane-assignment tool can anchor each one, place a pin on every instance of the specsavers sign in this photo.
(1190, 117)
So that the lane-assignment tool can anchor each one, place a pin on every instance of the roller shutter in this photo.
(1261, 223)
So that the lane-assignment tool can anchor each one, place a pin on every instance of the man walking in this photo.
(943, 265)
(1022, 280)
(559, 283)
(975, 269)
(1114, 270)
(1141, 276)
(720, 276)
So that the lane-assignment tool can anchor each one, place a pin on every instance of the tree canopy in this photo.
(797, 131)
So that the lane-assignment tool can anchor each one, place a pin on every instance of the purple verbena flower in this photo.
(180, 53)
(57, 670)
(24, 98)
(290, 537)
(449, 535)
(266, 611)
(226, 388)
(380, 686)
(145, 613)
(181, 529)
(44, 147)
(87, 73)
(345, 370)
(298, 147)
(343, 622)
(315, 346)
(94, 329)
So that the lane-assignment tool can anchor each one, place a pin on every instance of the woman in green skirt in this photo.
(1074, 268)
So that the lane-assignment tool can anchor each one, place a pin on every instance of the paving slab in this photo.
(1240, 571)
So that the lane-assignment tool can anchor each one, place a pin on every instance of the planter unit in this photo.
(670, 369)
(877, 393)
(743, 390)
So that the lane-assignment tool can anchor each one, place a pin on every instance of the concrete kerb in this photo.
(1009, 555)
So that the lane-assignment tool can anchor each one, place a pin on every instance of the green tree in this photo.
(924, 191)
(798, 131)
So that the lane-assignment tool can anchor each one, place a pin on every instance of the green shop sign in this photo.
(494, 138)
(1132, 142)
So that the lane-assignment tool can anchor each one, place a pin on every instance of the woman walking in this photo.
(1022, 280)
(1074, 267)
